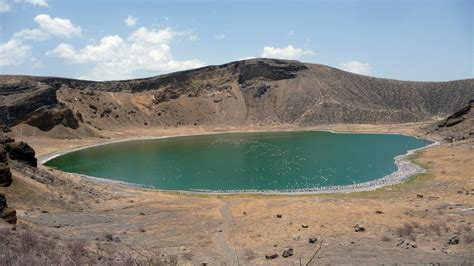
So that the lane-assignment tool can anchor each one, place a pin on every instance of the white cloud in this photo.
(291, 33)
(13, 53)
(47, 27)
(219, 37)
(130, 21)
(5, 6)
(143, 51)
(356, 67)
(143, 35)
(41, 3)
(288, 52)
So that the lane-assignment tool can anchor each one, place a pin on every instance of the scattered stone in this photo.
(406, 244)
(288, 252)
(312, 240)
(279, 216)
(454, 240)
(304, 226)
(271, 256)
(359, 228)
(296, 237)
(459, 191)
(142, 213)
(244, 213)
(379, 212)
(420, 196)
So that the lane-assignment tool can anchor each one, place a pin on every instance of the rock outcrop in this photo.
(6, 213)
(458, 126)
(5, 174)
(21, 151)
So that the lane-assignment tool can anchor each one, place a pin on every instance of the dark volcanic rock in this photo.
(271, 256)
(47, 118)
(458, 126)
(269, 70)
(288, 252)
(6, 213)
(3, 202)
(5, 175)
(454, 240)
(21, 151)
(15, 108)
(9, 215)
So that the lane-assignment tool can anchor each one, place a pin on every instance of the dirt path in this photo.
(226, 249)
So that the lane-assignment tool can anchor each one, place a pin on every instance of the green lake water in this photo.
(281, 161)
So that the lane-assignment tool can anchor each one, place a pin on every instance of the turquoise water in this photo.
(244, 161)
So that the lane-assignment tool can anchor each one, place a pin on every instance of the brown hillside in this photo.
(250, 92)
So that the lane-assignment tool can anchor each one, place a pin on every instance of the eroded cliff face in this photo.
(255, 92)
(457, 126)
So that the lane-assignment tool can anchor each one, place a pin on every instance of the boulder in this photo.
(359, 228)
(313, 240)
(3, 202)
(5, 175)
(279, 216)
(3, 154)
(21, 151)
(287, 252)
(304, 226)
(9, 215)
(454, 240)
(46, 118)
(271, 256)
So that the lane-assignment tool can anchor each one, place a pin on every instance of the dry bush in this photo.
(406, 230)
(467, 228)
(468, 239)
(28, 242)
(188, 256)
(77, 251)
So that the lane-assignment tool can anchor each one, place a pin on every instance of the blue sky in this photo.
(408, 40)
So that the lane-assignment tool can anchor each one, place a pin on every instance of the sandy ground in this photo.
(241, 229)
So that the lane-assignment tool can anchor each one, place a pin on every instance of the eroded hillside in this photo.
(252, 92)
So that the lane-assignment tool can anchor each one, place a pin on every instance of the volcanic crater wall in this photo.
(250, 92)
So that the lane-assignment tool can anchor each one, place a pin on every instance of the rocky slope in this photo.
(458, 126)
(251, 92)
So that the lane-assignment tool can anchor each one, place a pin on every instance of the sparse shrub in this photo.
(406, 230)
(250, 254)
(188, 256)
(28, 241)
(385, 239)
(469, 238)
(173, 259)
(467, 228)
(77, 251)
(432, 228)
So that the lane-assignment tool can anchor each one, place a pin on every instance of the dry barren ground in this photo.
(406, 223)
